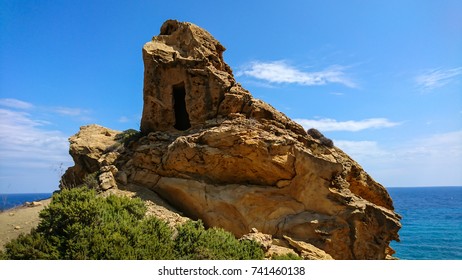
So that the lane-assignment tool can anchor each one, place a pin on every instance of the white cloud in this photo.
(436, 78)
(445, 145)
(15, 103)
(361, 149)
(334, 125)
(431, 161)
(68, 111)
(124, 119)
(33, 153)
(25, 142)
(281, 72)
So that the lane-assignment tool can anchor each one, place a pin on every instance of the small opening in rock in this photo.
(179, 105)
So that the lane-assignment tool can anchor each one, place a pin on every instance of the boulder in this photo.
(92, 152)
(308, 251)
(265, 240)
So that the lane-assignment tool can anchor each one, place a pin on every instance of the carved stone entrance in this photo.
(182, 121)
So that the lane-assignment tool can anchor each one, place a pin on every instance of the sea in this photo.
(431, 223)
(8, 201)
(431, 220)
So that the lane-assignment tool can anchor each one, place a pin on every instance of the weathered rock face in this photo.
(186, 82)
(184, 70)
(91, 150)
(215, 153)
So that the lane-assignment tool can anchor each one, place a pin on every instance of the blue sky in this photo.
(383, 79)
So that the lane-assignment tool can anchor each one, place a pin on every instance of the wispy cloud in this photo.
(129, 120)
(361, 149)
(68, 111)
(15, 103)
(74, 113)
(281, 72)
(445, 145)
(336, 93)
(334, 125)
(25, 141)
(436, 78)
(124, 119)
(413, 162)
(33, 153)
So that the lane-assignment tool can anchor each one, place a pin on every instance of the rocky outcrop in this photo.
(307, 251)
(214, 152)
(91, 149)
(276, 247)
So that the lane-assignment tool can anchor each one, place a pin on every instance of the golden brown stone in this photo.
(215, 153)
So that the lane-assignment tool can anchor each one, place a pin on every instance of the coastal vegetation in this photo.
(79, 224)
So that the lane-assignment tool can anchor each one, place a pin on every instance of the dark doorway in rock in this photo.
(179, 105)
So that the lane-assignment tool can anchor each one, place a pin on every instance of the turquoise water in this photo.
(8, 201)
(432, 223)
(432, 220)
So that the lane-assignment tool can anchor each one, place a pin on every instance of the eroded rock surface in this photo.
(215, 153)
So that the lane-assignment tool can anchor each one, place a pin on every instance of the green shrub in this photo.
(128, 136)
(78, 224)
(3, 255)
(194, 242)
(33, 246)
(91, 180)
(288, 256)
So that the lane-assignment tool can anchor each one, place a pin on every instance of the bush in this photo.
(288, 256)
(124, 139)
(194, 242)
(78, 224)
(128, 136)
(91, 180)
(2, 255)
(33, 246)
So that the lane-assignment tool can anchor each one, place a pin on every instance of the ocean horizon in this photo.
(431, 220)
(12, 200)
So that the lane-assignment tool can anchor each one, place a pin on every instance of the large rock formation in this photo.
(215, 153)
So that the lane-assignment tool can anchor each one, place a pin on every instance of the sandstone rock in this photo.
(89, 150)
(122, 178)
(215, 153)
(276, 250)
(155, 205)
(184, 64)
(32, 204)
(265, 240)
(106, 177)
(36, 203)
(308, 251)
